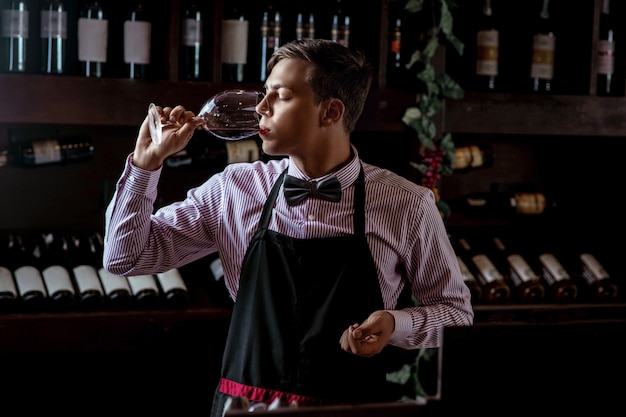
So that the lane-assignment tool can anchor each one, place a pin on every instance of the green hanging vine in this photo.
(436, 156)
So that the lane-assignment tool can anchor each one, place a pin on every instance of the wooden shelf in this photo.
(123, 102)
(537, 115)
(104, 330)
(30, 99)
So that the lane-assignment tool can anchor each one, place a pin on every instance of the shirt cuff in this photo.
(139, 180)
(404, 325)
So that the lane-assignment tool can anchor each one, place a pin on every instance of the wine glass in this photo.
(229, 115)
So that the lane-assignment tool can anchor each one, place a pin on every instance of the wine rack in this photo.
(565, 141)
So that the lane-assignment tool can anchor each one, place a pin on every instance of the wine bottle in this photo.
(116, 290)
(487, 50)
(174, 290)
(28, 279)
(50, 150)
(53, 37)
(500, 204)
(470, 157)
(216, 269)
(206, 151)
(144, 290)
(88, 284)
(234, 45)
(494, 288)
(543, 47)
(191, 42)
(600, 284)
(605, 60)
(396, 70)
(340, 28)
(525, 280)
(118, 294)
(462, 249)
(137, 39)
(93, 35)
(220, 295)
(54, 263)
(15, 30)
(305, 22)
(270, 37)
(8, 290)
(557, 278)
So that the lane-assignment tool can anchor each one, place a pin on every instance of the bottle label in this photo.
(305, 30)
(592, 269)
(520, 270)
(137, 42)
(606, 57)
(216, 269)
(395, 46)
(467, 157)
(487, 52)
(7, 284)
(139, 283)
(234, 41)
(92, 39)
(542, 63)
(53, 24)
(529, 203)
(487, 270)
(465, 272)
(28, 279)
(87, 279)
(171, 280)
(340, 30)
(46, 151)
(15, 24)
(552, 269)
(57, 278)
(192, 32)
(112, 283)
(242, 151)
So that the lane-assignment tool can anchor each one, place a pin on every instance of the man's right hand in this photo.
(150, 156)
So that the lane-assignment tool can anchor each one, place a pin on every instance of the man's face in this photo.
(289, 111)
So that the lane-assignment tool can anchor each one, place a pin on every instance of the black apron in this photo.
(296, 297)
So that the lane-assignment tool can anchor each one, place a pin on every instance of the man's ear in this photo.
(333, 112)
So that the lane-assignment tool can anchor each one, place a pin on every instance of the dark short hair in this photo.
(335, 72)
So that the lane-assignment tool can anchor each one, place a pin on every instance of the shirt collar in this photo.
(346, 175)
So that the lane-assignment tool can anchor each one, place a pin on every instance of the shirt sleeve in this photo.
(139, 242)
(442, 297)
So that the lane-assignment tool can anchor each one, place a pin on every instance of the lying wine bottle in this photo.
(492, 282)
(524, 278)
(600, 283)
(175, 292)
(54, 270)
(559, 281)
(462, 248)
(90, 291)
(8, 290)
(144, 290)
(28, 279)
(116, 288)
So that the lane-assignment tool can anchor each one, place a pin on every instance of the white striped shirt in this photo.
(405, 232)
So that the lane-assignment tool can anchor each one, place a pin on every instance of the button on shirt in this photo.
(403, 227)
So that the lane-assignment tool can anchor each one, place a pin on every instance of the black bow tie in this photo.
(297, 190)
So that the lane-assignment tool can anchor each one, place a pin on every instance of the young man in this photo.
(322, 285)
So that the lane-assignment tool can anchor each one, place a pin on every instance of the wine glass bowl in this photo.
(229, 115)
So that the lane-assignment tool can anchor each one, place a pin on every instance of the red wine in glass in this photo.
(229, 115)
